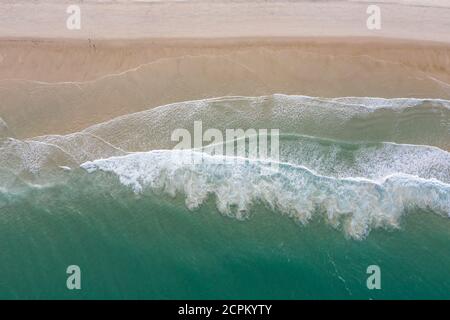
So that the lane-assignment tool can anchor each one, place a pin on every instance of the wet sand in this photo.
(133, 57)
(62, 86)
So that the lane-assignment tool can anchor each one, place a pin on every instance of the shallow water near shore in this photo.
(369, 186)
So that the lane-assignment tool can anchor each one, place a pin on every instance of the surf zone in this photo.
(252, 143)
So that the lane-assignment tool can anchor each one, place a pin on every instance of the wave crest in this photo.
(354, 204)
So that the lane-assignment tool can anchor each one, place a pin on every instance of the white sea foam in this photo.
(369, 160)
(354, 204)
(338, 137)
(31, 157)
(347, 118)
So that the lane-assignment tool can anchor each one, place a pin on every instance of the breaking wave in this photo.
(359, 162)
(355, 204)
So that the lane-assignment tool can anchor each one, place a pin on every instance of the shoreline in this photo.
(60, 86)
(311, 153)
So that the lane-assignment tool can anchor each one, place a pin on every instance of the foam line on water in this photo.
(356, 205)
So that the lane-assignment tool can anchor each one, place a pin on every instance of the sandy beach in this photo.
(146, 54)
(337, 140)
(62, 86)
(130, 19)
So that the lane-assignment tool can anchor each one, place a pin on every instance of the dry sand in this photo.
(127, 19)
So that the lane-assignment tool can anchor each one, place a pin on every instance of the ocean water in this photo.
(358, 182)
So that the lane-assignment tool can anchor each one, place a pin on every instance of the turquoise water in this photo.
(130, 246)
(359, 182)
